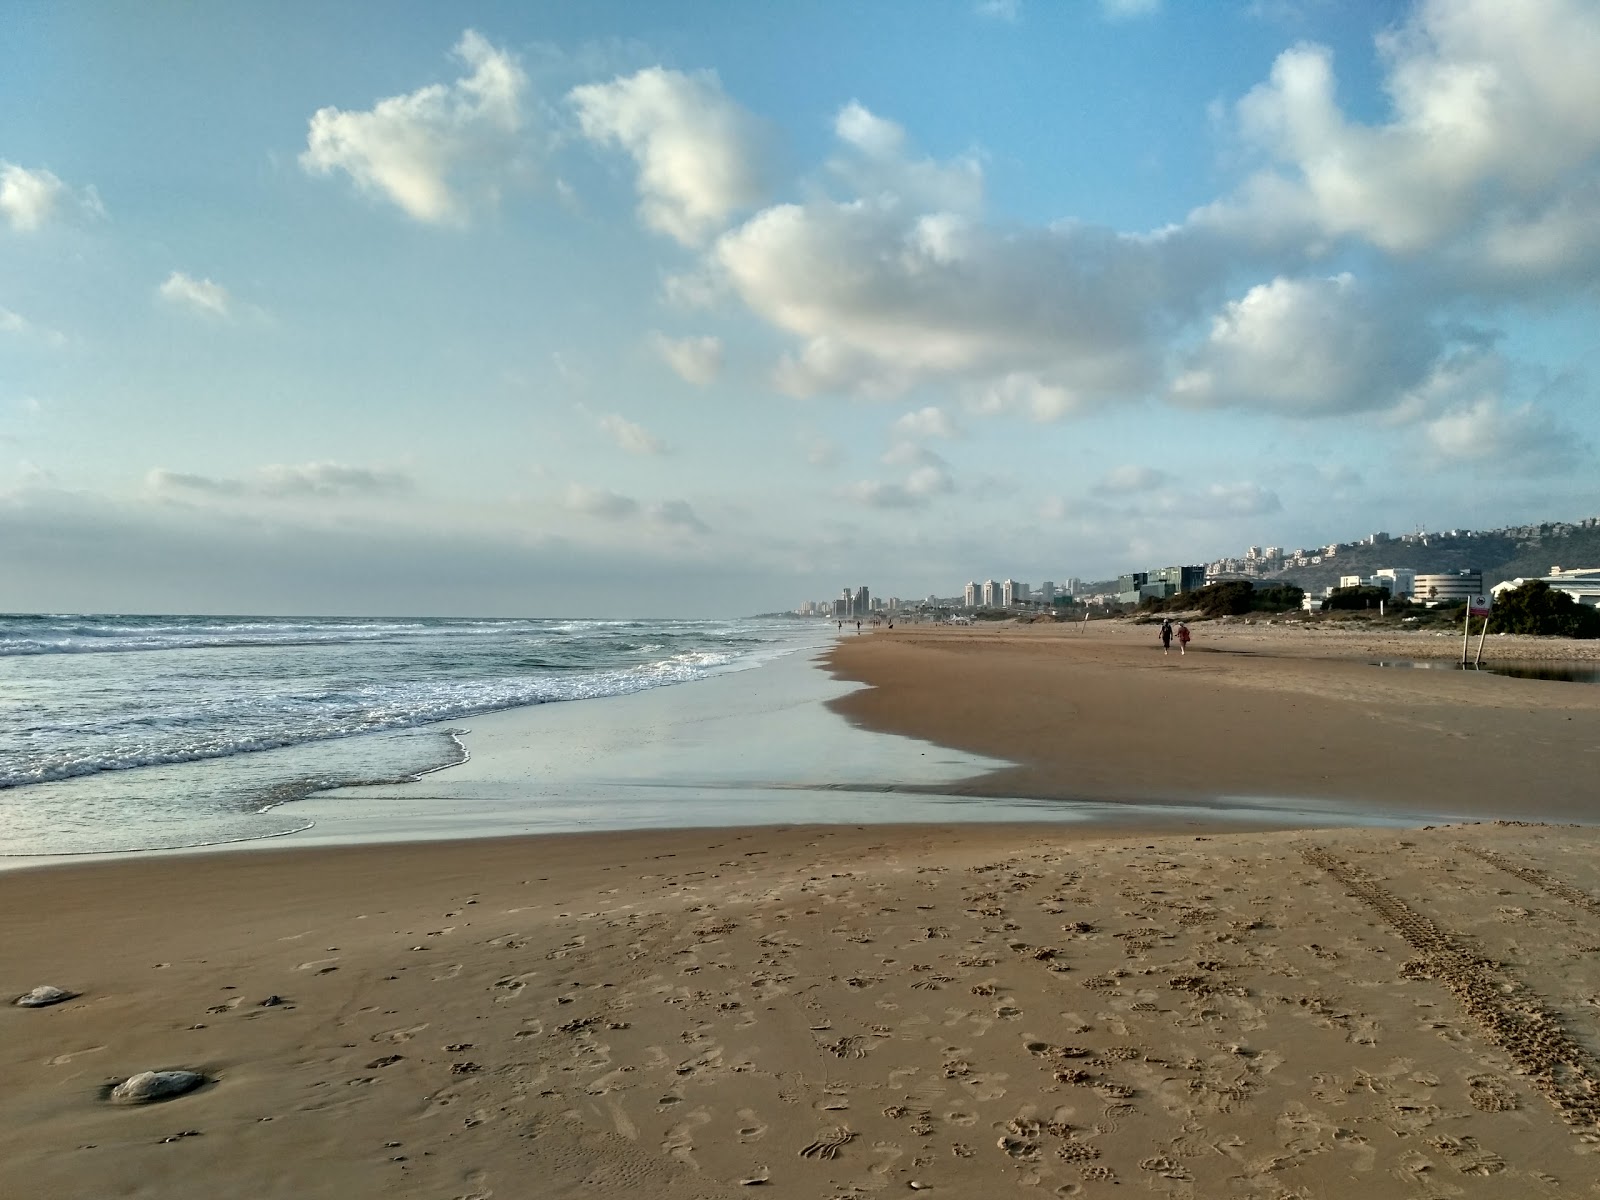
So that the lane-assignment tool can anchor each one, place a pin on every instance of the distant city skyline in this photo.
(609, 309)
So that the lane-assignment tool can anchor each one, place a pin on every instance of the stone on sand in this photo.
(150, 1086)
(43, 996)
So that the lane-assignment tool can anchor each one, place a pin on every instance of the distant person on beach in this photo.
(1183, 638)
(858, 626)
(1166, 636)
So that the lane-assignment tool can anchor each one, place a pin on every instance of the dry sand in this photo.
(847, 1011)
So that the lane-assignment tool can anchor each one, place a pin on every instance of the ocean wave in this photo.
(210, 727)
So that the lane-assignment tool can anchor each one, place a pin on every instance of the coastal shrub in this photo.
(1538, 608)
(1354, 597)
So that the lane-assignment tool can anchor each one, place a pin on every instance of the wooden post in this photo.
(1478, 661)
(1466, 633)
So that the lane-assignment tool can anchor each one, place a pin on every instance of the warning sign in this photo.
(1479, 606)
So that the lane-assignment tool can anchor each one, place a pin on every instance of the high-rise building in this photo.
(1047, 593)
(848, 601)
(992, 597)
(972, 595)
(1072, 586)
(863, 601)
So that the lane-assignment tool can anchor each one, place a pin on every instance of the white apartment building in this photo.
(1013, 592)
(992, 595)
(1583, 585)
(972, 596)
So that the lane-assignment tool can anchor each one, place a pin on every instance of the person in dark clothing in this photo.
(1166, 636)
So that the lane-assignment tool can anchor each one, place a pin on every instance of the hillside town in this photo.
(1421, 567)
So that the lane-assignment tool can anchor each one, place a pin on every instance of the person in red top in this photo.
(1183, 638)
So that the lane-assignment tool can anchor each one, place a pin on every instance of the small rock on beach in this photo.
(43, 996)
(150, 1086)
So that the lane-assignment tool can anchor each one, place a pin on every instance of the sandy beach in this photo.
(842, 1010)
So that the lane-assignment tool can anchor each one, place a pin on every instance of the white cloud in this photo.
(1495, 126)
(874, 161)
(879, 303)
(598, 502)
(200, 295)
(18, 326)
(433, 151)
(1027, 394)
(999, 10)
(929, 477)
(329, 479)
(284, 481)
(1122, 10)
(696, 360)
(929, 422)
(1132, 478)
(1307, 347)
(30, 199)
(633, 438)
(697, 152)
(1466, 421)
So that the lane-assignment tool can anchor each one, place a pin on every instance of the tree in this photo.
(1538, 608)
(1355, 597)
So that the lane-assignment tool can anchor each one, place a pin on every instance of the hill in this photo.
(1500, 554)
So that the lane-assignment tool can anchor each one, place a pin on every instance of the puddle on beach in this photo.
(1565, 672)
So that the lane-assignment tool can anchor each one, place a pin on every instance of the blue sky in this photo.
(690, 309)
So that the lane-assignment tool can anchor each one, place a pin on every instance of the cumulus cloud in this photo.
(431, 152)
(929, 477)
(633, 438)
(1492, 139)
(19, 326)
(875, 160)
(30, 199)
(598, 502)
(882, 295)
(698, 153)
(696, 360)
(198, 295)
(1467, 421)
(283, 481)
(1495, 435)
(1308, 347)
(929, 422)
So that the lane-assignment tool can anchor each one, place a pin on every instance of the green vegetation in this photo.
(1230, 599)
(1536, 607)
(1354, 597)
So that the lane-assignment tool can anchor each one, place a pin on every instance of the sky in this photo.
(706, 308)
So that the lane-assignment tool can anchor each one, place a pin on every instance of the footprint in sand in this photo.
(318, 964)
(62, 1060)
(754, 1128)
(399, 1035)
(679, 1140)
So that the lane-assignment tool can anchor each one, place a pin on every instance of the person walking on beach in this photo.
(1166, 635)
(1183, 638)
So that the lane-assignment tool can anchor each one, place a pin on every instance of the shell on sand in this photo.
(43, 996)
(149, 1086)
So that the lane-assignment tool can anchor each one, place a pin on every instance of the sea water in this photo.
(129, 733)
